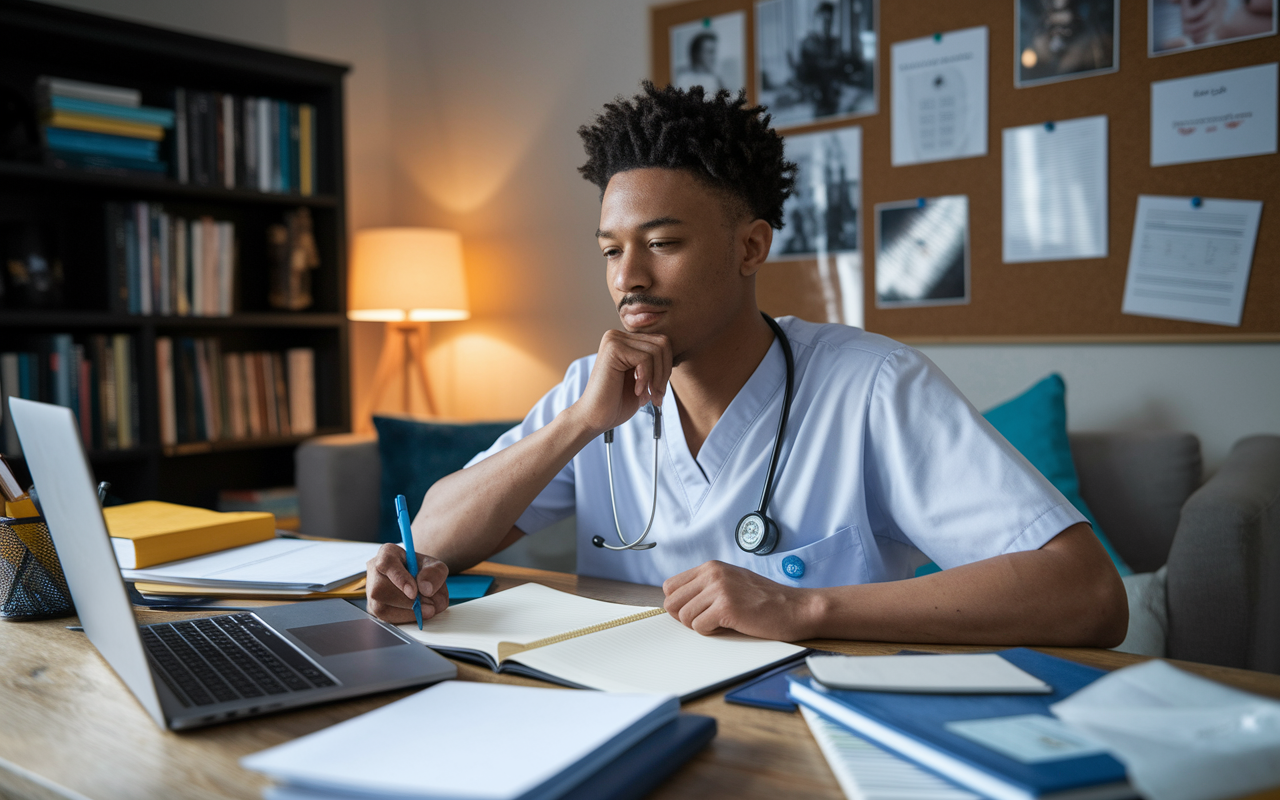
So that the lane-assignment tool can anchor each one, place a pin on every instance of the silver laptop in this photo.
(197, 672)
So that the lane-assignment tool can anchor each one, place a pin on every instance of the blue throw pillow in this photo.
(1035, 423)
(414, 455)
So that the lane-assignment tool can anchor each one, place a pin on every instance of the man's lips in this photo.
(638, 316)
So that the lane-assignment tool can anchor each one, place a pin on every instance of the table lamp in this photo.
(407, 278)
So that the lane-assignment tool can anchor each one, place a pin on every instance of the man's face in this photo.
(706, 55)
(671, 256)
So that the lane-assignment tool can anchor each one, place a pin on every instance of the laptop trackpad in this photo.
(336, 638)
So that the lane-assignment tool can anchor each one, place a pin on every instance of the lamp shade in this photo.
(411, 274)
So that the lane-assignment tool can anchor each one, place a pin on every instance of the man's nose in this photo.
(632, 273)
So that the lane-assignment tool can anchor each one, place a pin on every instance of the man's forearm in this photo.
(1064, 594)
(466, 515)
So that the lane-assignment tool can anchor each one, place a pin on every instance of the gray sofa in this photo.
(1208, 553)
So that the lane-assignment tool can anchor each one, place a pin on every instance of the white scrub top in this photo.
(884, 466)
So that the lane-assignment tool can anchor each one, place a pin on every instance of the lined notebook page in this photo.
(521, 615)
(657, 654)
(865, 772)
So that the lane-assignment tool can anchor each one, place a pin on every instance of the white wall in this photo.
(464, 114)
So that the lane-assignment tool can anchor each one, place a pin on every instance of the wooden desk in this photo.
(70, 729)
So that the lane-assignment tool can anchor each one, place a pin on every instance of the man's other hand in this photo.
(631, 370)
(717, 596)
(391, 589)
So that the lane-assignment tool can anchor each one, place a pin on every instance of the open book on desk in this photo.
(542, 633)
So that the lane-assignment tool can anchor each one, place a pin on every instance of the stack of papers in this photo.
(490, 742)
(276, 565)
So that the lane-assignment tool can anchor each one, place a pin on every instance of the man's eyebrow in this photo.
(644, 226)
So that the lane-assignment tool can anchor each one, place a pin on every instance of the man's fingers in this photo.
(388, 613)
(390, 562)
(694, 608)
(431, 576)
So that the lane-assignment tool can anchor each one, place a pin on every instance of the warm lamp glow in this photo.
(412, 274)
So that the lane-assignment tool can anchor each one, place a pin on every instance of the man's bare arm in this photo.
(1066, 593)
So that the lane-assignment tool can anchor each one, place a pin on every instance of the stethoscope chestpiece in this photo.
(757, 534)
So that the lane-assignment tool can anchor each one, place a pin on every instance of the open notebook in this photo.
(589, 644)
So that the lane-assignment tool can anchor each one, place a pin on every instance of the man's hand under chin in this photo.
(716, 596)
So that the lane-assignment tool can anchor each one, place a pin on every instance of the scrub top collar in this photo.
(757, 395)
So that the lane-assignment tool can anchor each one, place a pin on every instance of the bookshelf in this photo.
(67, 206)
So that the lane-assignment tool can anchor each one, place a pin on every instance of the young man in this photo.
(883, 464)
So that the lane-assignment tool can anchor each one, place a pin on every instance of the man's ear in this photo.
(756, 237)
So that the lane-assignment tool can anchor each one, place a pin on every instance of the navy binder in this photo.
(914, 726)
(639, 770)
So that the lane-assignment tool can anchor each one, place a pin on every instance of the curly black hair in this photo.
(721, 140)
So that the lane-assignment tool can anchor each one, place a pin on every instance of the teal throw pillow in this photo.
(415, 454)
(1035, 423)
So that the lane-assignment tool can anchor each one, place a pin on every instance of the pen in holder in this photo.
(32, 585)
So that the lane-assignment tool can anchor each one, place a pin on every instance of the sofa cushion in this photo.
(1035, 422)
(415, 454)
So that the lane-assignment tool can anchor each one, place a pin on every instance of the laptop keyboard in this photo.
(225, 658)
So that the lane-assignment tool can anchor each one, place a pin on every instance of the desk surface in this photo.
(70, 729)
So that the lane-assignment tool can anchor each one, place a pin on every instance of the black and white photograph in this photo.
(711, 53)
(1063, 39)
(1178, 25)
(821, 215)
(816, 59)
(922, 252)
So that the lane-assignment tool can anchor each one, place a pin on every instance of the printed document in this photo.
(1189, 262)
(1055, 191)
(940, 97)
(1217, 115)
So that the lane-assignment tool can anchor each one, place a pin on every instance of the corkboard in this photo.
(1051, 301)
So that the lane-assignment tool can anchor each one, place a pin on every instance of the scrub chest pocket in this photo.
(835, 560)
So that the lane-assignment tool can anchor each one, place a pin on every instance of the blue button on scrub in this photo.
(793, 567)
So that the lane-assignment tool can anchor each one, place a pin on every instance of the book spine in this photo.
(209, 267)
(154, 251)
(294, 155)
(193, 413)
(252, 395)
(142, 216)
(281, 395)
(106, 144)
(164, 379)
(228, 141)
(213, 350)
(117, 260)
(226, 268)
(73, 121)
(166, 264)
(97, 92)
(60, 370)
(181, 268)
(306, 149)
(104, 352)
(204, 421)
(123, 377)
(212, 141)
(233, 370)
(182, 168)
(219, 139)
(250, 143)
(10, 386)
(302, 393)
(195, 246)
(264, 144)
(241, 141)
(131, 261)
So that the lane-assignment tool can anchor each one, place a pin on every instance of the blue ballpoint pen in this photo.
(410, 557)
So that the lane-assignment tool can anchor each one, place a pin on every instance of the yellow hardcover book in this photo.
(149, 533)
(96, 124)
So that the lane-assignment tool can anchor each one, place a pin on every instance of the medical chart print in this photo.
(1175, 26)
(939, 86)
(710, 53)
(816, 59)
(1227, 114)
(922, 252)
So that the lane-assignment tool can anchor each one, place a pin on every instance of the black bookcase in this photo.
(38, 39)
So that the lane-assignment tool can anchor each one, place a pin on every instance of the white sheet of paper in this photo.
(1181, 737)
(966, 673)
(1055, 191)
(940, 97)
(1216, 115)
(273, 564)
(462, 739)
(1191, 263)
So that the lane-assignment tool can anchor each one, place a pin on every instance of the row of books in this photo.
(244, 142)
(164, 264)
(101, 128)
(207, 395)
(95, 378)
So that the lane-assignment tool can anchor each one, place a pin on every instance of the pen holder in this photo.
(32, 585)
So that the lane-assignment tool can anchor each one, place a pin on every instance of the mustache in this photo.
(643, 300)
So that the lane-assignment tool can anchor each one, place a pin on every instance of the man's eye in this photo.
(612, 252)
(660, 245)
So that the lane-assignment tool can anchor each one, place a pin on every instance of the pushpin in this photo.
(919, 202)
(706, 22)
(1048, 126)
(937, 37)
(1196, 202)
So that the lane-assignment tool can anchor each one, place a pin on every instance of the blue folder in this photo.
(640, 769)
(922, 719)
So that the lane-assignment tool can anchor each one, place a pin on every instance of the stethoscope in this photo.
(755, 533)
